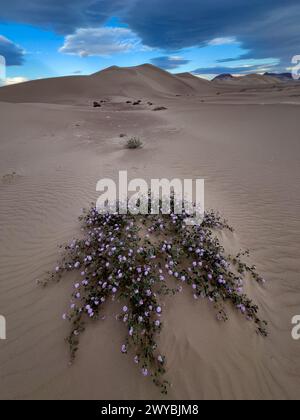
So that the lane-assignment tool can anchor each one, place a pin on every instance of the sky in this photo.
(42, 39)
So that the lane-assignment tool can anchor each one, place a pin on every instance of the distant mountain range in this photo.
(282, 77)
(225, 76)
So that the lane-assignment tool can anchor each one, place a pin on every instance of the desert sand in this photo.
(242, 137)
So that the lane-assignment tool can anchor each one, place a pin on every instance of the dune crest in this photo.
(145, 80)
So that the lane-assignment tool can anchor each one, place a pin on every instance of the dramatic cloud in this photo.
(267, 29)
(13, 54)
(169, 63)
(277, 36)
(63, 16)
(264, 28)
(100, 42)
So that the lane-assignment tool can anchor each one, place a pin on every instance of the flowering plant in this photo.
(133, 259)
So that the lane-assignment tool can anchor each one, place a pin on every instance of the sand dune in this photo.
(147, 81)
(199, 85)
(259, 79)
(142, 82)
(52, 153)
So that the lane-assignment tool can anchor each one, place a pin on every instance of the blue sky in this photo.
(205, 37)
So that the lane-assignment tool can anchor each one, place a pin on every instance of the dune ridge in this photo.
(145, 80)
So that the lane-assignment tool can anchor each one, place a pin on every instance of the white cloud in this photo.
(175, 58)
(169, 62)
(222, 41)
(100, 42)
(14, 80)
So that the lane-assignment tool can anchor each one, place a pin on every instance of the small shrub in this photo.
(134, 143)
(160, 108)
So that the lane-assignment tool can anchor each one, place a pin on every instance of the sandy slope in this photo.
(199, 85)
(249, 156)
(146, 81)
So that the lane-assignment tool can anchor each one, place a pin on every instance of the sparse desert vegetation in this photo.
(160, 108)
(137, 260)
(134, 143)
